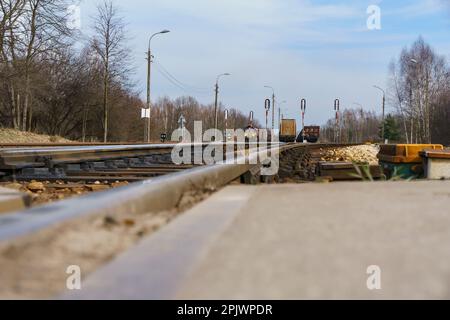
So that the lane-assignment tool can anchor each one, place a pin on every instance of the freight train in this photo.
(288, 132)
(312, 134)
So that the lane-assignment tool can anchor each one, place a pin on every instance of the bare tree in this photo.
(357, 126)
(30, 30)
(417, 81)
(45, 31)
(49, 86)
(11, 12)
(109, 42)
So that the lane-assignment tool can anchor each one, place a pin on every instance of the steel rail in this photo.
(32, 157)
(159, 194)
(17, 158)
(67, 144)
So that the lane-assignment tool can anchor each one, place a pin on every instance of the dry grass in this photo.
(16, 136)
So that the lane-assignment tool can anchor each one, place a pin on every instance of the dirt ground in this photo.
(46, 192)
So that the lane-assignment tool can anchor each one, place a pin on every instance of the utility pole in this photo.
(149, 108)
(216, 101)
(273, 112)
(149, 72)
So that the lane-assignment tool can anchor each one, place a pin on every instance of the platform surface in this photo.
(306, 241)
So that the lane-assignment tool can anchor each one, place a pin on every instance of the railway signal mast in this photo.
(337, 128)
(226, 119)
(182, 126)
(267, 107)
(251, 117)
(227, 135)
(303, 108)
(273, 106)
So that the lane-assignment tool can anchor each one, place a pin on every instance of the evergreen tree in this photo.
(391, 129)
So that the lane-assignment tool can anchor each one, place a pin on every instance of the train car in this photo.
(312, 134)
(288, 130)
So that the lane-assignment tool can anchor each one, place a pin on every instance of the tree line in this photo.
(355, 126)
(419, 94)
(57, 81)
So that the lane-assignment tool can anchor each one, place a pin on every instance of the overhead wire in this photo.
(177, 83)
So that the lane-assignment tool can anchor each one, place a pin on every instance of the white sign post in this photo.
(145, 113)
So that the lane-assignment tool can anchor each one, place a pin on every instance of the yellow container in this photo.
(405, 153)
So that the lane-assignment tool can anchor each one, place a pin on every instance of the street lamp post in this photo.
(149, 70)
(273, 106)
(383, 113)
(217, 98)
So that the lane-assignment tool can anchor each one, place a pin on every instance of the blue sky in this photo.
(320, 50)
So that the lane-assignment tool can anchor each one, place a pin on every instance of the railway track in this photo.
(92, 162)
(121, 216)
(68, 161)
(84, 169)
(164, 192)
(72, 166)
